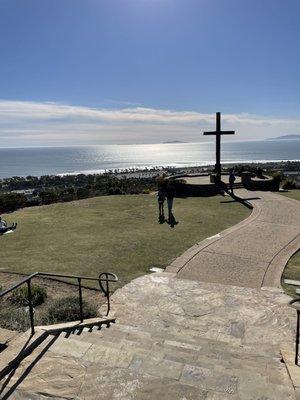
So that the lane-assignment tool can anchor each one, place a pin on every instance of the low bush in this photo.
(67, 310)
(15, 319)
(289, 184)
(34, 201)
(277, 179)
(11, 201)
(20, 295)
(114, 191)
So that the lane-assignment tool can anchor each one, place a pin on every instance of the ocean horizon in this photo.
(91, 159)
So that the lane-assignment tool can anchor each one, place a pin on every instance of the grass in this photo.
(292, 270)
(111, 233)
(293, 194)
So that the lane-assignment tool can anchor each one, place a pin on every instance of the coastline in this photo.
(149, 172)
(152, 171)
(203, 166)
(122, 159)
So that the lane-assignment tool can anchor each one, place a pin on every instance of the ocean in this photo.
(95, 159)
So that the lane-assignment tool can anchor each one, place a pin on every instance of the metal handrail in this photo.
(291, 302)
(106, 289)
(103, 277)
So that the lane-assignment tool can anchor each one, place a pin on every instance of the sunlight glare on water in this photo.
(93, 159)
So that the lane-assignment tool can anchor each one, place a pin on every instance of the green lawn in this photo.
(292, 270)
(293, 194)
(111, 233)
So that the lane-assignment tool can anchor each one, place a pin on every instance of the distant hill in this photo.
(286, 137)
(173, 141)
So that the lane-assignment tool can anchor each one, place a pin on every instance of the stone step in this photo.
(21, 369)
(20, 348)
(6, 336)
(147, 338)
(21, 345)
(70, 365)
(172, 340)
(176, 347)
(186, 353)
(171, 350)
(178, 361)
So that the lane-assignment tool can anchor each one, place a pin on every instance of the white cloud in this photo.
(32, 123)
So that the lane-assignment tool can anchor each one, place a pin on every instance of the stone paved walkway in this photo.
(252, 253)
(173, 340)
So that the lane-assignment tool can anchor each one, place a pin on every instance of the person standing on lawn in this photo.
(161, 201)
(231, 179)
(161, 196)
(170, 194)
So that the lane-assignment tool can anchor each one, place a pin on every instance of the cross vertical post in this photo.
(218, 143)
(218, 134)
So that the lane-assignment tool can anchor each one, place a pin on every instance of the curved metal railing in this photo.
(104, 277)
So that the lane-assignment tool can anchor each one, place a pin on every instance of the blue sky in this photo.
(71, 69)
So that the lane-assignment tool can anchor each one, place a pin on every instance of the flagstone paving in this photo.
(173, 339)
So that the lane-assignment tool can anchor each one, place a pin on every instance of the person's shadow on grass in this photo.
(172, 221)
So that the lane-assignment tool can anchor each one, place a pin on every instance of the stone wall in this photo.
(268, 184)
(188, 190)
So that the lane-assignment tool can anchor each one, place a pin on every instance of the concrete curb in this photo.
(276, 267)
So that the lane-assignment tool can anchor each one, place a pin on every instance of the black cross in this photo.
(218, 134)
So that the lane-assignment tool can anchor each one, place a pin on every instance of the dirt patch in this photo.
(55, 290)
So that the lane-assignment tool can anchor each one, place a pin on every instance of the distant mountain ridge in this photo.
(173, 141)
(286, 137)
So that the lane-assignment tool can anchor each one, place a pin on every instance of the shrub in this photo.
(48, 196)
(277, 178)
(289, 184)
(114, 190)
(34, 201)
(12, 201)
(20, 295)
(15, 319)
(67, 310)
(83, 193)
(67, 195)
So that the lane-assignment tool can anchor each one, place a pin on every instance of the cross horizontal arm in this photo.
(219, 133)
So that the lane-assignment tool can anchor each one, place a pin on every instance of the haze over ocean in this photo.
(94, 159)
